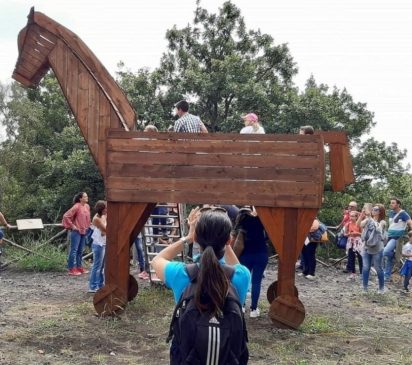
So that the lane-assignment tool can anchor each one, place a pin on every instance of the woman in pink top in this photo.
(77, 219)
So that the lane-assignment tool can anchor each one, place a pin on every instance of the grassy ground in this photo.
(48, 318)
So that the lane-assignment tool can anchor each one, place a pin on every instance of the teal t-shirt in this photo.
(177, 279)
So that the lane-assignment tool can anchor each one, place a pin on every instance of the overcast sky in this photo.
(363, 45)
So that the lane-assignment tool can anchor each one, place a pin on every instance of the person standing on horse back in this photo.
(187, 122)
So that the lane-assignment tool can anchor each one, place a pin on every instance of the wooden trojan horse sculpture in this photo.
(282, 175)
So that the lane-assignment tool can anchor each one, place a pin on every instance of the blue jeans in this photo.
(389, 253)
(309, 258)
(140, 253)
(256, 263)
(77, 242)
(96, 278)
(377, 264)
(407, 278)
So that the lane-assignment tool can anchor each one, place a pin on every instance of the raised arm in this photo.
(165, 256)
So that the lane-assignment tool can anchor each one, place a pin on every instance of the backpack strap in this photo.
(229, 271)
(192, 271)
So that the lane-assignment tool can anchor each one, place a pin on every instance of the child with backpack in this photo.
(208, 325)
(309, 249)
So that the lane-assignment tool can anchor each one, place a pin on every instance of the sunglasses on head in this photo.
(217, 209)
(375, 209)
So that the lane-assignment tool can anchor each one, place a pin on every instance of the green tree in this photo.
(44, 158)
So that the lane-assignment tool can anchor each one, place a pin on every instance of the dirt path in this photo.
(48, 318)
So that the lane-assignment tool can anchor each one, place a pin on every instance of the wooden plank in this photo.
(266, 147)
(20, 78)
(104, 116)
(34, 36)
(214, 197)
(44, 35)
(61, 61)
(29, 54)
(114, 119)
(22, 70)
(104, 125)
(93, 120)
(304, 223)
(337, 171)
(215, 172)
(347, 166)
(173, 136)
(83, 100)
(273, 219)
(33, 44)
(333, 137)
(253, 160)
(72, 82)
(205, 185)
(286, 270)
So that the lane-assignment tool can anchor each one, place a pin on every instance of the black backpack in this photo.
(200, 340)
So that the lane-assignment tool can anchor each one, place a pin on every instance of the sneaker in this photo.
(82, 270)
(255, 313)
(352, 277)
(142, 275)
(92, 291)
(74, 272)
(300, 274)
(381, 291)
(310, 277)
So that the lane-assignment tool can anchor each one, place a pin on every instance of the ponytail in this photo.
(212, 284)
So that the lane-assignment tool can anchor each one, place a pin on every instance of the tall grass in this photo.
(48, 257)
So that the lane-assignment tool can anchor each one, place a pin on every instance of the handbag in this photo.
(397, 228)
(324, 238)
(239, 244)
(341, 240)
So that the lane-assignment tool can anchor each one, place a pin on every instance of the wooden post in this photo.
(287, 229)
(124, 221)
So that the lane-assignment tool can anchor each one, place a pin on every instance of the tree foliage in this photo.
(44, 159)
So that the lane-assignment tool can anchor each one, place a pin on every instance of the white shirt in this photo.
(407, 250)
(249, 130)
(97, 237)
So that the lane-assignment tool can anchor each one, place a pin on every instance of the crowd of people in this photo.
(371, 241)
